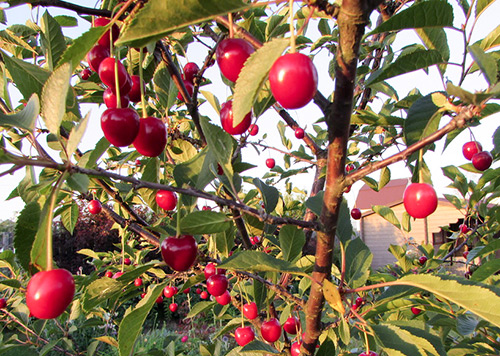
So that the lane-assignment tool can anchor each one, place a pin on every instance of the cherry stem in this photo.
(292, 36)
(117, 86)
(123, 252)
(231, 30)
(242, 305)
(178, 220)
(420, 164)
(48, 227)
(366, 340)
(143, 100)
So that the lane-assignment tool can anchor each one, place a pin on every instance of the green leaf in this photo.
(492, 40)
(99, 291)
(388, 214)
(221, 144)
(52, 40)
(466, 324)
(486, 270)
(54, 97)
(131, 324)
(147, 26)
(199, 307)
(75, 136)
(407, 62)
(212, 99)
(486, 62)
(75, 53)
(435, 38)
(90, 158)
(385, 177)
(24, 234)
(259, 347)
(69, 216)
(66, 21)
(195, 172)
(423, 118)
(253, 75)
(291, 242)
(26, 118)
(315, 203)
(358, 261)
(224, 241)
(270, 195)
(481, 6)
(79, 182)
(432, 13)
(256, 261)
(344, 224)
(204, 222)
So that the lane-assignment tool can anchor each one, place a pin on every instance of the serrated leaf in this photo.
(481, 6)
(406, 63)
(270, 195)
(256, 261)
(435, 38)
(332, 296)
(221, 145)
(419, 15)
(26, 118)
(422, 120)
(224, 241)
(344, 224)
(69, 217)
(147, 26)
(100, 290)
(79, 182)
(25, 231)
(486, 63)
(66, 21)
(52, 40)
(54, 97)
(75, 136)
(388, 214)
(492, 40)
(204, 222)
(212, 100)
(291, 242)
(75, 53)
(486, 270)
(195, 171)
(252, 76)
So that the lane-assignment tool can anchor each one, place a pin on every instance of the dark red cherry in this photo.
(226, 118)
(189, 88)
(294, 80)
(190, 71)
(422, 260)
(138, 282)
(292, 325)
(217, 284)
(295, 349)
(108, 274)
(179, 253)
(120, 126)
(107, 75)
(3, 303)
(231, 56)
(110, 99)
(152, 137)
(299, 133)
(94, 207)
(211, 269)
(127, 261)
(470, 148)
(415, 310)
(105, 39)
(166, 199)
(420, 200)
(204, 295)
(482, 160)
(85, 74)
(135, 92)
(96, 55)
(356, 213)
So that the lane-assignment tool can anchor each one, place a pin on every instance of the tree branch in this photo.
(82, 10)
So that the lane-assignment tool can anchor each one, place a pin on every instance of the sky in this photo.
(307, 115)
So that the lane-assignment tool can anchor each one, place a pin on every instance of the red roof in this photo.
(389, 195)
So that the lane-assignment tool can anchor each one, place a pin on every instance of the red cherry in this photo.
(138, 282)
(359, 301)
(465, 254)
(250, 310)
(217, 284)
(152, 137)
(85, 74)
(211, 270)
(271, 330)
(254, 130)
(184, 339)
(108, 274)
(120, 126)
(299, 133)
(173, 307)
(205, 208)
(470, 148)
(135, 92)
(294, 80)
(143, 295)
(169, 291)
(347, 189)
(198, 290)
(295, 349)
(107, 75)
(204, 295)
(166, 199)
(356, 214)
(291, 325)
(49, 293)
(244, 335)
(415, 310)
(96, 55)
(110, 99)
(349, 167)
(117, 275)
(226, 118)
(3, 303)
(231, 56)
(224, 299)
(179, 253)
(270, 163)
(370, 353)
(159, 300)
(190, 71)
(220, 171)
(189, 88)
(127, 261)
(422, 260)
(105, 39)
(137, 162)
(420, 200)
(95, 207)
(186, 291)
(464, 229)
(482, 160)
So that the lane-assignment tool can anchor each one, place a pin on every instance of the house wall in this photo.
(378, 234)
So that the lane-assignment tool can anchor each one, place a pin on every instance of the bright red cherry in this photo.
(250, 310)
(299, 133)
(108, 274)
(270, 163)
(422, 260)
(253, 130)
(420, 200)
(210, 270)
(356, 213)
(166, 199)
(482, 160)
(294, 80)
(169, 291)
(224, 299)
(231, 56)
(110, 99)
(159, 300)
(295, 349)
(226, 118)
(120, 126)
(85, 74)
(369, 353)
(349, 167)
(244, 335)
(271, 330)
(127, 261)
(292, 325)
(415, 310)
(95, 207)
(152, 137)
(217, 284)
(464, 229)
(135, 92)
(49, 293)
(190, 71)
(184, 339)
(138, 282)
(96, 55)
(3, 303)
(105, 39)
(107, 74)
(204, 295)
(189, 88)
(470, 148)
(173, 307)
(143, 295)
(179, 253)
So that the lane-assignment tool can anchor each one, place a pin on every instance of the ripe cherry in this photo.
(244, 335)
(184, 339)
(210, 270)
(420, 200)
(482, 160)
(217, 284)
(294, 80)
(166, 199)
(143, 295)
(110, 99)
(120, 126)
(135, 91)
(204, 295)
(49, 293)
(226, 118)
(422, 260)
(85, 74)
(159, 300)
(253, 130)
(198, 291)
(186, 291)
(169, 291)
(299, 133)
(152, 137)
(138, 282)
(464, 229)
(231, 56)
(173, 307)
(96, 55)
(107, 75)
(295, 349)
(349, 167)
(271, 330)
(270, 163)
(95, 207)
(368, 353)
(250, 311)
(179, 253)
(415, 310)
(292, 325)
(190, 71)
(105, 39)
(3, 303)
(127, 261)
(108, 274)
(359, 301)
(470, 148)
(356, 213)
(224, 299)
(189, 88)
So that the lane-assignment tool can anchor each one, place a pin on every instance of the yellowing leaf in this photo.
(332, 296)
